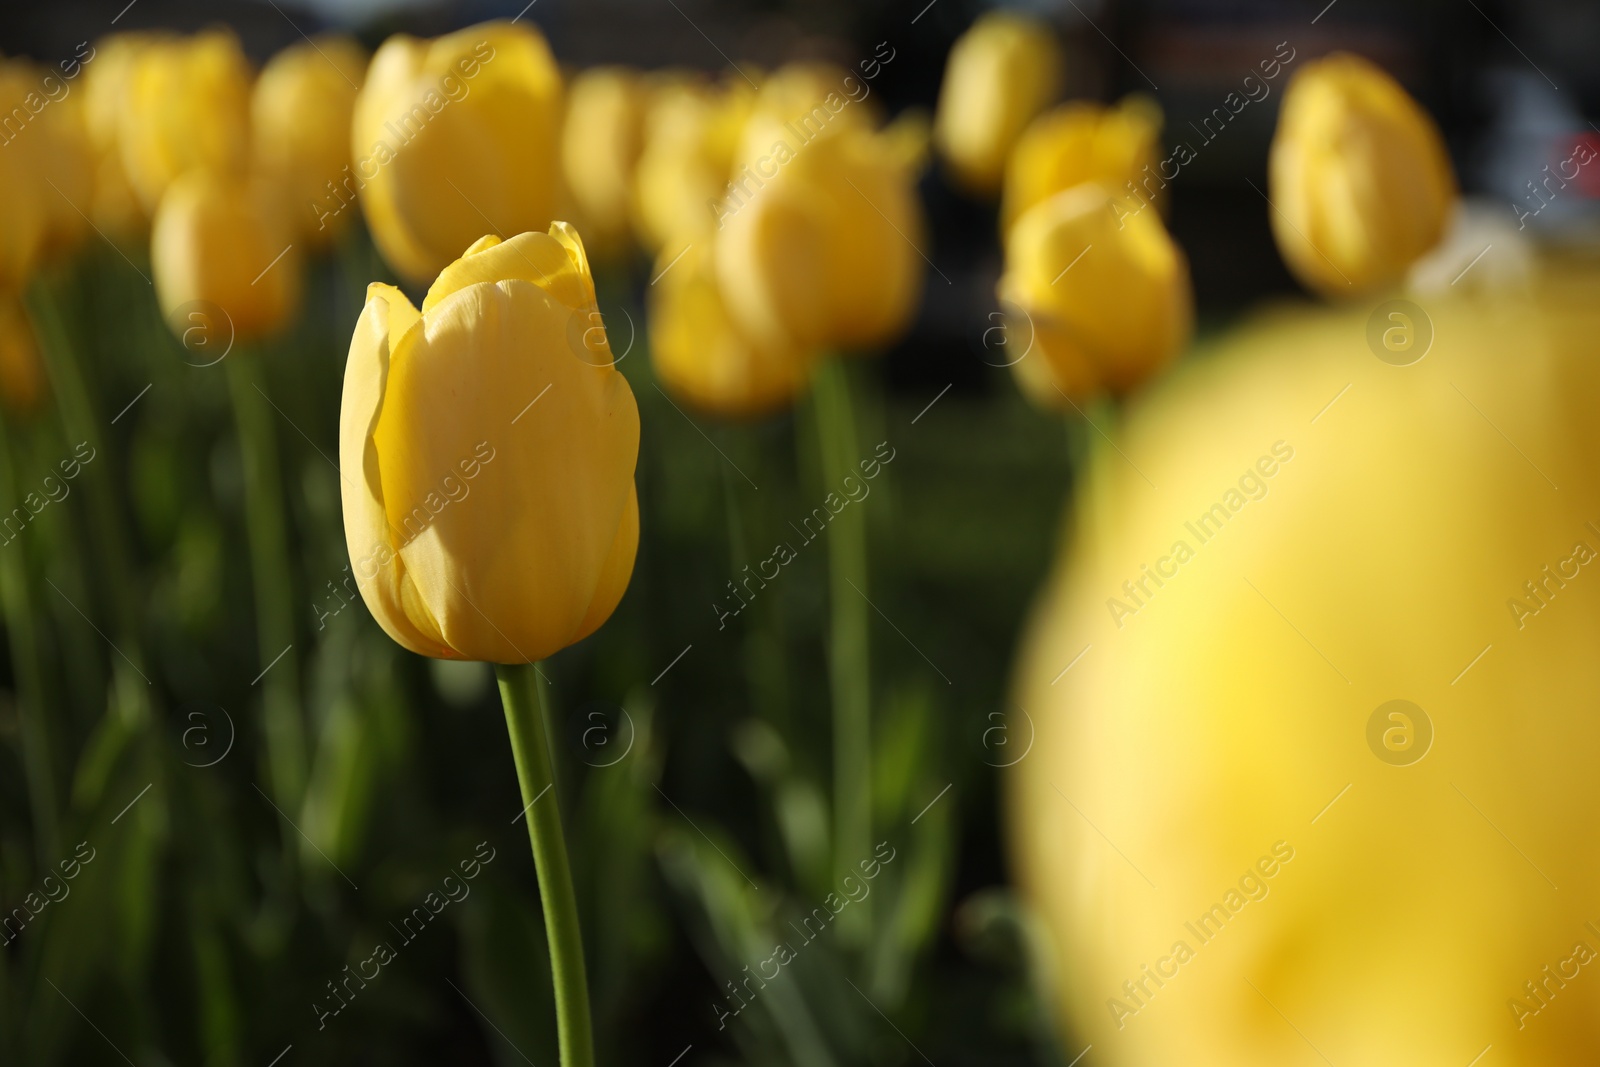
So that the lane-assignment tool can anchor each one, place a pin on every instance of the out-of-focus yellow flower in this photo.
(186, 106)
(1360, 180)
(455, 136)
(1000, 74)
(22, 380)
(1102, 293)
(820, 236)
(300, 113)
(223, 240)
(69, 166)
(1083, 142)
(700, 353)
(1222, 823)
(25, 214)
(600, 145)
(114, 205)
(692, 136)
(43, 124)
(500, 526)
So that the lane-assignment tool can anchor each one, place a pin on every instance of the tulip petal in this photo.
(616, 570)
(387, 323)
(539, 258)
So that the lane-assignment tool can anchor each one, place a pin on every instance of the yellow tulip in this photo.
(692, 136)
(1240, 855)
(1120, 147)
(186, 106)
(600, 145)
(25, 214)
(821, 235)
(300, 113)
(456, 136)
(1100, 293)
(500, 525)
(223, 241)
(1360, 181)
(700, 353)
(45, 126)
(1000, 74)
(115, 206)
(22, 379)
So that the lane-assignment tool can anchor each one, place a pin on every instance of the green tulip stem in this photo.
(848, 633)
(21, 608)
(71, 385)
(269, 559)
(522, 696)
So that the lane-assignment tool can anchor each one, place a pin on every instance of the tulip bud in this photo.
(187, 106)
(488, 447)
(1119, 147)
(821, 235)
(1223, 822)
(44, 128)
(692, 135)
(25, 214)
(1000, 74)
(115, 206)
(22, 379)
(1103, 291)
(224, 241)
(701, 355)
(300, 113)
(600, 145)
(1359, 178)
(455, 136)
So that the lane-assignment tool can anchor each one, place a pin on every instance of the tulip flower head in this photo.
(600, 145)
(1000, 74)
(51, 144)
(24, 216)
(1102, 294)
(824, 248)
(222, 243)
(1084, 142)
(701, 354)
(186, 106)
(692, 136)
(1360, 181)
(1255, 593)
(300, 112)
(456, 136)
(489, 503)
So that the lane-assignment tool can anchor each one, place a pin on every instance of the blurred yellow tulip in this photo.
(600, 145)
(114, 205)
(186, 105)
(1241, 852)
(300, 113)
(692, 135)
(701, 355)
(1360, 181)
(25, 213)
(22, 378)
(820, 242)
(1001, 73)
(455, 136)
(501, 525)
(44, 125)
(1083, 142)
(221, 241)
(1102, 295)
